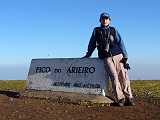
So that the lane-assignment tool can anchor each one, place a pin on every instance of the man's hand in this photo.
(85, 56)
(124, 60)
(125, 64)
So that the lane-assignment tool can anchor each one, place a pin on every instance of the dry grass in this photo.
(149, 88)
(13, 85)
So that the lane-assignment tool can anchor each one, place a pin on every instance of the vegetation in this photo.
(13, 85)
(148, 88)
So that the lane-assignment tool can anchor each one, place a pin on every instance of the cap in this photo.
(104, 15)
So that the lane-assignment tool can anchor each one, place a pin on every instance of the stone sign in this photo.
(78, 75)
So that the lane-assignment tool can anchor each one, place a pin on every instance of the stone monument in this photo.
(70, 75)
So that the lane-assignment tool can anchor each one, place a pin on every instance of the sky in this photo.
(32, 29)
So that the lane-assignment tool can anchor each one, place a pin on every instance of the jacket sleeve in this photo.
(91, 45)
(121, 45)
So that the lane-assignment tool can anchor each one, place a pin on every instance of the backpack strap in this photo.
(113, 30)
(105, 36)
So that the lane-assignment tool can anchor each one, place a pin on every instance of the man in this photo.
(111, 49)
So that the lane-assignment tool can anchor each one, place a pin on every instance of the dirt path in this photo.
(36, 109)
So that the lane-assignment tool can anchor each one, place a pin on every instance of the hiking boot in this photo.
(130, 102)
(121, 102)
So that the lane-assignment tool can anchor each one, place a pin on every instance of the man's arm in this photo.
(121, 45)
(91, 45)
(125, 56)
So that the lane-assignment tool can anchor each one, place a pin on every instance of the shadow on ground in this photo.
(10, 93)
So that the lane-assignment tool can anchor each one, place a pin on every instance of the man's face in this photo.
(105, 21)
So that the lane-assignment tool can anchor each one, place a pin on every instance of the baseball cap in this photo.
(104, 15)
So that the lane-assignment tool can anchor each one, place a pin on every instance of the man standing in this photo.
(111, 49)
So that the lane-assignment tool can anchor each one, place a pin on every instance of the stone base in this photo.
(64, 97)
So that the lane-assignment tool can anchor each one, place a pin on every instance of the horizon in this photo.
(62, 29)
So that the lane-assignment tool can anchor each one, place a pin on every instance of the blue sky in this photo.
(62, 29)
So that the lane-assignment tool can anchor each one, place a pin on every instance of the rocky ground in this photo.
(13, 107)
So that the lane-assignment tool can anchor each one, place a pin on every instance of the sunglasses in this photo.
(105, 17)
